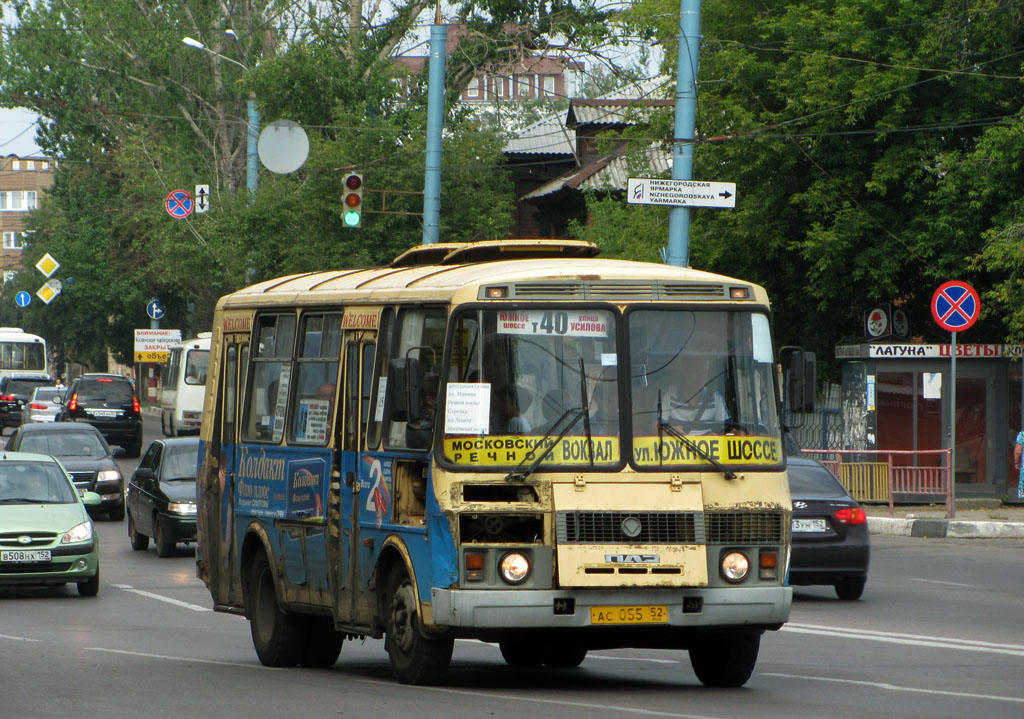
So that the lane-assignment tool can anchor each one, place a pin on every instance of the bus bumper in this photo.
(766, 607)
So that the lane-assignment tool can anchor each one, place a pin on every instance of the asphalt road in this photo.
(937, 634)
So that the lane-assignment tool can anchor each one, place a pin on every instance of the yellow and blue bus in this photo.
(512, 441)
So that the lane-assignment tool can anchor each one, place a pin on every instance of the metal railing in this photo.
(880, 480)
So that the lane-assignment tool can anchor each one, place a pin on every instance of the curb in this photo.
(948, 528)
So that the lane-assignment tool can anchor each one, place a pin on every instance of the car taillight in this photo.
(37, 406)
(851, 515)
(7, 397)
(73, 402)
(135, 404)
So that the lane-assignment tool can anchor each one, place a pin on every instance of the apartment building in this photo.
(22, 182)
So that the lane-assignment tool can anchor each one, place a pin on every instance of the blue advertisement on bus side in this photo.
(281, 483)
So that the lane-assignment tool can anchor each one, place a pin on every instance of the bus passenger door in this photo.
(352, 606)
(225, 435)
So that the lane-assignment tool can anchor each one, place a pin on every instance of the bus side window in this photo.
(317, 380)
(271, 370)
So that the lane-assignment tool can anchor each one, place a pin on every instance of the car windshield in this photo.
(813, 480)
(180, 462)
(34, 482)
(108, 390)
(64, 444)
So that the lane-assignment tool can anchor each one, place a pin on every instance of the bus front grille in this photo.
(623, 527)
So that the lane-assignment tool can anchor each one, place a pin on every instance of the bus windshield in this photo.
(543, 387)
(521, 378)
(23, 356)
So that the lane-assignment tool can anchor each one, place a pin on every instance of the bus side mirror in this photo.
(801, 381)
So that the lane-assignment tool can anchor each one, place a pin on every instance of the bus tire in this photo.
(415, 657)
(279, 637)
(725, 660)
(565, 656)
(522, 655)
(163, 424)
(323, 645)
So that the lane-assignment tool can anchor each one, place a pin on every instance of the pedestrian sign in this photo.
(955, 306)
(179, 204)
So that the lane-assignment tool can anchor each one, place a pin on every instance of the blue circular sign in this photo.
(22, 299)
(179, 204)
(155, 310)
(955, 306)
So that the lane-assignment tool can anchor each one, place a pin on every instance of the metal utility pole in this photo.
(685, 127)
(435, 123)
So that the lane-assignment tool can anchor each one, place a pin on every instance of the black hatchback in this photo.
(109, 403)
(831, 543)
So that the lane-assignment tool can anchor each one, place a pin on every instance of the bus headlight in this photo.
(514, 568)
(735, 567)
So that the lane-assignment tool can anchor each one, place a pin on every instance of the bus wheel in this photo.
(725, 660)
(277, 636)
(565, 656)
(415, 657)
(323, 645)
(163, 424)
(522, 654)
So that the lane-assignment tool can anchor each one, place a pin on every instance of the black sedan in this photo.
(162, 495)
(831, 544)
(85, 455)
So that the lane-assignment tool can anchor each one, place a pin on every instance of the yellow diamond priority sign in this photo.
(48, 291)
(47, 265)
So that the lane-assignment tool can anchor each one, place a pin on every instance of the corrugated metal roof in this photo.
(608, 173)
(611, 112)
(548, 136)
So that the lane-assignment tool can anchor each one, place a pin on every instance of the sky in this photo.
(17, 132)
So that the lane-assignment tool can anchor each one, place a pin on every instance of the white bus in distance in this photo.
(183, 386)
(21, 352)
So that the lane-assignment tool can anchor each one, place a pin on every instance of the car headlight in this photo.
(181, 507)
(735, 566)
(79, 533)
(514, 568)
(108, 475)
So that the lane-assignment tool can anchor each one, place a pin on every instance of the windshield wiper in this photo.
(664, 426)
(574, 415)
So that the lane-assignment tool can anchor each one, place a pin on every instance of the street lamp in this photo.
(253, 125)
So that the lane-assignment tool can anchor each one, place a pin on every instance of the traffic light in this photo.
(352, 212)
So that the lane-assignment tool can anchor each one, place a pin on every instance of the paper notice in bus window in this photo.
(311, 423)
(571, 323)
(467, 408)
(382, 391)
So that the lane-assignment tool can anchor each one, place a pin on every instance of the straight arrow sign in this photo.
(680, 193)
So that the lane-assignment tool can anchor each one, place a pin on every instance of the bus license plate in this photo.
(21, 556)
(644, 614)
(808, 525)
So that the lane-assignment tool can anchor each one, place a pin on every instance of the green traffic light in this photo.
(351, 218)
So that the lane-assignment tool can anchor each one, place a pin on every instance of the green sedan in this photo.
(46, 535)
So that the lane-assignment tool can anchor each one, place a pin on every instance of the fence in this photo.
(882, 479)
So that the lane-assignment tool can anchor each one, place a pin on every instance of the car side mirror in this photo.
(144, 473)
(118, 452)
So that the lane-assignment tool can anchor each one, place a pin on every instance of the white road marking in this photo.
(936, 581)
(617, 708)
(182, 659)
(970, 645)
(159, 597)
(895, 687)
(18, 639)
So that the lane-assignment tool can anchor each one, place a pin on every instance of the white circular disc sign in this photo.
(283, 147)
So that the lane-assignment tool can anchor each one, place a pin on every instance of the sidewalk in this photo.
(974, 519)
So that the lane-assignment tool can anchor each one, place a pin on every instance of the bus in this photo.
(21, 352)
(183, 386)
(497, 441)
